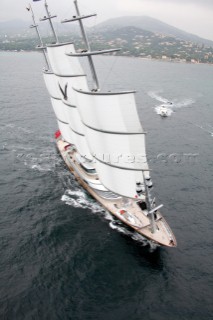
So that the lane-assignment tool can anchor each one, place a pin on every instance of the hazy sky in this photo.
(195, 16)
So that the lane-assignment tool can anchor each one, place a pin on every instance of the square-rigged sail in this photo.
(66, 74)
(116, 139)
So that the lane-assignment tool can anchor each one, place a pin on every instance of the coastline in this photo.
(168, 60)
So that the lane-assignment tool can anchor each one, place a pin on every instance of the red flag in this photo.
(57, 134)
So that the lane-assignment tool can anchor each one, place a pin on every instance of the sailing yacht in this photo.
(106, 155)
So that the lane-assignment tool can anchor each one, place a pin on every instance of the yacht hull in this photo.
(130, 214)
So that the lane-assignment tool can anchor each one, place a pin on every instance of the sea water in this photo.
(62, 255)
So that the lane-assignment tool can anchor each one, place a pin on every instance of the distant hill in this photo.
(148, 38)
(152, 25)
(19, 27)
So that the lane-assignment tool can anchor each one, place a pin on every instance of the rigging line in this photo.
(110, 71)
(101, 61)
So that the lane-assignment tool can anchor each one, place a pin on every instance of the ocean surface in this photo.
(61, 255)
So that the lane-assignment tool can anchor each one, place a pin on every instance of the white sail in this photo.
(51, 82)
(68, 73)
(113, 128)
(120, 150)
(74, 119)
(120, 181)
(108, 111)
(59, 109)
(60, 63)
(69, 133)
(116, 139)
(82, 146)
(76, 139)
(60, 88)
(66, 84)
(66, 133)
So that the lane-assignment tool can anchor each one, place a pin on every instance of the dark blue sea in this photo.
(61, 255)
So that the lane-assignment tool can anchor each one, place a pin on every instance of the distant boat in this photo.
(164, 109)
(100, 137)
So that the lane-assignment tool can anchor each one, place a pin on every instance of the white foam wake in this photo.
(39, 167)
(79, 199)
(120, 227)
(171, 105)
(183, 103)
(42, 162)
(158, 110)
(157, 96)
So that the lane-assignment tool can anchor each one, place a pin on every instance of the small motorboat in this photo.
(163, 111)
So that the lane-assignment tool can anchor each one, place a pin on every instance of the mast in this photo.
(92, 67)
(148, 202)
(88, 51)
(41, 46)
(151, 208)
(49, 17)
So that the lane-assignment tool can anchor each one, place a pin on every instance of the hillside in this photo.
(133, 41)
(152, 25)
(142, 43)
